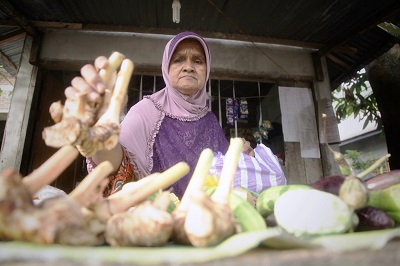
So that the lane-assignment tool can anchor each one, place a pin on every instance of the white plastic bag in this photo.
(254, 173)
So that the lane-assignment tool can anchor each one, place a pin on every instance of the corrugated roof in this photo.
(345, 31)
(11, 43)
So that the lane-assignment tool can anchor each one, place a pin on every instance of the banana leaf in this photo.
(236, 245)
(372, 240)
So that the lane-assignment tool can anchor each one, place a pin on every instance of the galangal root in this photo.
(56, 220)
(202, 220)
(148, 223)
(92, 126)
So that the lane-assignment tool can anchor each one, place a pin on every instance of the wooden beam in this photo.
(8, 23)
(36, 48)
(339, 62)
(390, 11)
(15, 15)
(17, 34)
(56, 25)
(8, 62)
(345, 50)
(46, 25)
(319, 75)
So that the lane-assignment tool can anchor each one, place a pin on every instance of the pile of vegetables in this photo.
(333, 205)
(141, 214)
(336, 204)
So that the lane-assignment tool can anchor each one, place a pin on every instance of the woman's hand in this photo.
(247, 149)
(89, 83)
(90, 117)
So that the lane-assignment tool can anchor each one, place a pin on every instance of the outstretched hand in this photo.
(90, 81)
(90, 117)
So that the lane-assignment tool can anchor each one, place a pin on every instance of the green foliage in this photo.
(355, 97)
(356, 162)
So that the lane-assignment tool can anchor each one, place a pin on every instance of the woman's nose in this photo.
(188, 66)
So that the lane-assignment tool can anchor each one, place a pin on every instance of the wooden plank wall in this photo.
(300, 170)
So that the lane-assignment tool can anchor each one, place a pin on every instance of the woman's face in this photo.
(187, 68)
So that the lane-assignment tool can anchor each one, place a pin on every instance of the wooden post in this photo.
(322, 92)
(18, 116)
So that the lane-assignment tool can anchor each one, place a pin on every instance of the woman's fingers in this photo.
(90, 82)
(101, 62)
(81, 85)
(84, 88)
(71, 92)
(92, 77)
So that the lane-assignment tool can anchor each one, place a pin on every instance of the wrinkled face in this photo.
(187, 68)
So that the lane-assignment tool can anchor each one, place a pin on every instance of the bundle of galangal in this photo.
(81, 217)
(142, 213)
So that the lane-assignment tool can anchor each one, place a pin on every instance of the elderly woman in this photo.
(175, 124)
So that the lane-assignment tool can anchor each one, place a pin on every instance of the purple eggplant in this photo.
(371, 218)
(329, 184)
(384, 180)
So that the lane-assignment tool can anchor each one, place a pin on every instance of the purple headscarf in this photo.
(170, 100)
